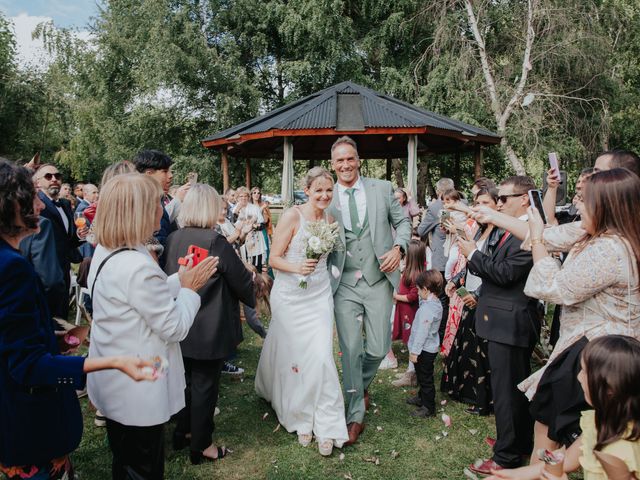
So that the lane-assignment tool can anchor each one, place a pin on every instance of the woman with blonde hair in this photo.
(216, 331)
(138, 311)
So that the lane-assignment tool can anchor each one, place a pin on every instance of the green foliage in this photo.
(166, 73)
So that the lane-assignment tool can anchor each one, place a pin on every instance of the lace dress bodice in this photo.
(296, 254)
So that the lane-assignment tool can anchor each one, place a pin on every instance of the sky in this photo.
(26, 14)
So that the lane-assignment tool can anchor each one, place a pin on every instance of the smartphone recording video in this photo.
(535, 199)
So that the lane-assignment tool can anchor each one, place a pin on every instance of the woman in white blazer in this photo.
(139, 310)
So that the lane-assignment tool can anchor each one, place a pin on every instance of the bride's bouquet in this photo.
(321, 238)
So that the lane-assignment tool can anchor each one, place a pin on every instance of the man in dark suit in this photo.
(67, 239)
(40, 250)
(510, 322)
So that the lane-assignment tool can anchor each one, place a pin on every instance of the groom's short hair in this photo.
(348, 141)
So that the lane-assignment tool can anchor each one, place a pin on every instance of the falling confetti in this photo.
(358, 275)
(359, 318)
(353, 390)
(443, 403)
(335, 271)
(446, 419)
(349, 254)
(265, 415)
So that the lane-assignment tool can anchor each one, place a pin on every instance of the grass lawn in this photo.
(393, 445)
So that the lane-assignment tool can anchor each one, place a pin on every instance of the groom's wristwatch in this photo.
(399, 248)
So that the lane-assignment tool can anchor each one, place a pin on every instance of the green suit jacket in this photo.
(384, 212)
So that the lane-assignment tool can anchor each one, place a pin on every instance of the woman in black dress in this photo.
(466, 372)
(216, 331)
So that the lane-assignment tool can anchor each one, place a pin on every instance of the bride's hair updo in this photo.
(315, 173)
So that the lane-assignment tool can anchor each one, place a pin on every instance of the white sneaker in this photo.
(388, 364)
(325, 447)
(409, 379)
(100, 420)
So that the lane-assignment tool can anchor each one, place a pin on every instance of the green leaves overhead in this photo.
(166, 73)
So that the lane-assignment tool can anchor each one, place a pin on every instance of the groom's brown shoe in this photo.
(366, 400)
(354, 429)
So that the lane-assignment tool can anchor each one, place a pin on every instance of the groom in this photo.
(366, 274)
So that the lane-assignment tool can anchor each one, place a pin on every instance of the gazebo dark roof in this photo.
(313, 123)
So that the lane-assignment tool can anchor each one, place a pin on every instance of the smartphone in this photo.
(553, 163)
(444, 215)
(462, 292)
(535, 199)
(199, 254)
(192, 177)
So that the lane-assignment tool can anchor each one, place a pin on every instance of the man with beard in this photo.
(67, 238)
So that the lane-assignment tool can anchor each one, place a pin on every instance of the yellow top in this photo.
(626, 450)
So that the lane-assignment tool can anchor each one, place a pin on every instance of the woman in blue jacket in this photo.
(40, 417)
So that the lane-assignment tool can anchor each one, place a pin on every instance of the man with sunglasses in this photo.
(509, 320)
(67, 238)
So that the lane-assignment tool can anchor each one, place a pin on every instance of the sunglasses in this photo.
(49, 176)
(503, 198)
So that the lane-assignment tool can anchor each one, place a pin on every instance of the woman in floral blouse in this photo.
(597, 286)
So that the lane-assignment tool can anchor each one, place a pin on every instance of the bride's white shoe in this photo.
(304, 439)
(325, 447)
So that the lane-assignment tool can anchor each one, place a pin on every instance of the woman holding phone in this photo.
(216, 331)
(598, 297)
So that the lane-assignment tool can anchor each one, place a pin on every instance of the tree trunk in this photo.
(516, 163)
(396, 167)
(424, 185)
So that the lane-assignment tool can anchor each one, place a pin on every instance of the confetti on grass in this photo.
(446, 419)
(266, 414)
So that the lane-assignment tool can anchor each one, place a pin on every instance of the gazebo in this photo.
(383, 127)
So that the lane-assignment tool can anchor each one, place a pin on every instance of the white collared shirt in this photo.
(361, 202)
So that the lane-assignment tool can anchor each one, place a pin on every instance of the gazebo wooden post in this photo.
(224, 160)
(388, 171)
(247, 172)
(287, 172)
(477, 160)
(412, 166)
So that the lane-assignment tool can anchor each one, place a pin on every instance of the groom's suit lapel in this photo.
(370, 190)
(334, 211)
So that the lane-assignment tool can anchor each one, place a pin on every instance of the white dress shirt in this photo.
(361, 202)
(138, 311)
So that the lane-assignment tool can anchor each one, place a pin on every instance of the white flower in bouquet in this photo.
(322, 238)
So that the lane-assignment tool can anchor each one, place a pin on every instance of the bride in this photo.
(297, 372)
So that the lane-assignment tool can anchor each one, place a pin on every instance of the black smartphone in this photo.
(535, 199)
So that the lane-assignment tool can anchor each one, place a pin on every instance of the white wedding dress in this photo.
(296, 372)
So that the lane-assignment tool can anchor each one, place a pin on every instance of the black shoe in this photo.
(477, 411)
(422, 412)
(197, 457)
(414, 401)
(230, 369)
(179, 441)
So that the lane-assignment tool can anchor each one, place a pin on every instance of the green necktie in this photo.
(353, 211)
